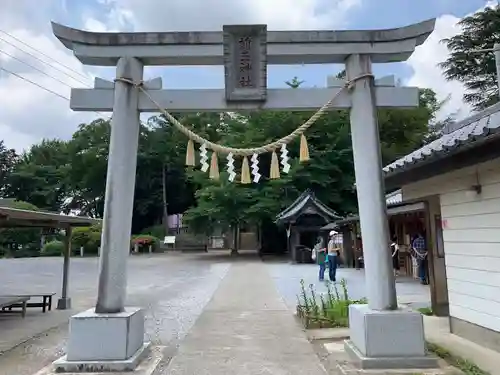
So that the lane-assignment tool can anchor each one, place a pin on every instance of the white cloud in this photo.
(29, 114)
(427, 73)
(185, 15)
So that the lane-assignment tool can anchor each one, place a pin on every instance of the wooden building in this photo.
(303, 220)
(405, 220)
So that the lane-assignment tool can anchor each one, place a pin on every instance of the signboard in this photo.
(245, 62)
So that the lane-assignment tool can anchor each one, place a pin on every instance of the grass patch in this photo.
(426, 311)
(464, 365)
(325, 311)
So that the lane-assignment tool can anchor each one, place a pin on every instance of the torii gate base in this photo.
(110, 338)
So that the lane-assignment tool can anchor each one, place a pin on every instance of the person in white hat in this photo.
(332, 256)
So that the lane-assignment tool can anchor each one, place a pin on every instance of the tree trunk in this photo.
(165, 208)
(236, 239)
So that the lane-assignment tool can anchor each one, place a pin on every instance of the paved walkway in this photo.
(287, 277)
(246, 329)
(213, 313)
(437, 331)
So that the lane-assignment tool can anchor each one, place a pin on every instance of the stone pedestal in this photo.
(104, 342)
(64, 303)
(387, 339)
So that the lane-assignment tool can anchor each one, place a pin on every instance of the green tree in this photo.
(40, 176)
(477, 71)
(20, 242)
(88, 157)
(8, 160)
(329, 173)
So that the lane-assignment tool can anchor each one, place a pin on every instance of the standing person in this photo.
(395, 255)
(319, 255)
(332, 256)
(420, 250)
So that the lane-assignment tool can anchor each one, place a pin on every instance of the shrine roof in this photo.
(467, 134)
(307, 200)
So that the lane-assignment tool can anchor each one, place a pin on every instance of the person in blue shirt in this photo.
(419, 250)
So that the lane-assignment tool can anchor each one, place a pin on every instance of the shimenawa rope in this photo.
(270, 147)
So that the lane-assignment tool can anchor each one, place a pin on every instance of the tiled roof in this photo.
(395, 197)
(307, 197)
(456, 135)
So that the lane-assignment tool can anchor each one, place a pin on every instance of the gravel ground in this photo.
(172, 288)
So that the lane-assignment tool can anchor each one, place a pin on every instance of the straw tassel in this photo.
(190, 159)
(304, 149)
(214, 167)
(275, 167)
(245, 171)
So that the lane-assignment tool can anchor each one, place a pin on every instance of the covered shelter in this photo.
(405, 218)
(304, 219)
(18, 218)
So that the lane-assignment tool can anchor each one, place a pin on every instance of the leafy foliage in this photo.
(70, 176)
(53, 248)
(325, 311)
(144, 241)
(87, 237)
(8, 160)
(40, 175)
(329, 173)
(17, 242)
(476, 70)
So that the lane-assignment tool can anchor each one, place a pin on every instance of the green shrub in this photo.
(20, 242)
(144, 241)
(157, 231)
(87, 237)
(53, 248)
(26, 253)
(465, 366)
(332, 308)
(426, 311)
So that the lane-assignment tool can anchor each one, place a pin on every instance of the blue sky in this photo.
(372, 14)
(20, 129)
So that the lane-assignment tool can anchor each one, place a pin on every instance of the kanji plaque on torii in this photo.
(380, 332)
(245, 62)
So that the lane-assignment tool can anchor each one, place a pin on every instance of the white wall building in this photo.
(458, 177)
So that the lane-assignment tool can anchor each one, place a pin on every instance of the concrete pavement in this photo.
(247, 321)
(246, 329)
(437, 331)
(287, 277)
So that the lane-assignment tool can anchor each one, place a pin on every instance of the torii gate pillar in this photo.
(382, 336)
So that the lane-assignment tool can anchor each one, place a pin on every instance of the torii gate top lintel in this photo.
(245, 52)
(205, 47)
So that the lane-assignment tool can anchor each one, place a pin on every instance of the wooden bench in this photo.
(45, 304)
(9, 302)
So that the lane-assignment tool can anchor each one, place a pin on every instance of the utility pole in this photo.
(496, 50)
(165, 204)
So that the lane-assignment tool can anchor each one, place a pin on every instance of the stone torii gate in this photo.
(111, 335)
